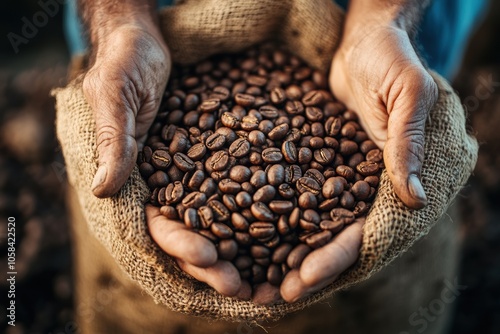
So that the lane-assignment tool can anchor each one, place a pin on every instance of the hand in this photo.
(324, 265)
(377, 73)
(124, 87)
(195, 254)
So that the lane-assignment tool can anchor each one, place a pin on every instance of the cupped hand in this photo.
(195, 255)
(324, 265)
(124, 87)
(377, 73)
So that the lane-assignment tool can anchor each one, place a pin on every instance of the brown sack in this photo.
(310, 29)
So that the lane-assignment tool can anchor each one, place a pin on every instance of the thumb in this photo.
(115, 135)
(404, 149)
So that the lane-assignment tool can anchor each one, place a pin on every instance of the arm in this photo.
(377, 73)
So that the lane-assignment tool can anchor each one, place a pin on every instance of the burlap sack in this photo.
(310, 29)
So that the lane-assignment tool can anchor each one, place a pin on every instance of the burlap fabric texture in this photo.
(197, 29)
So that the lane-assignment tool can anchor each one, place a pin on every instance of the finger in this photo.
(328, 262)
(404, 149)
(176, 240)
(115, 106)
(222, 276)
(266, 294)
(293, 288)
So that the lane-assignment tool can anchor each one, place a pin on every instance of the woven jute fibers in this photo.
(119, 222)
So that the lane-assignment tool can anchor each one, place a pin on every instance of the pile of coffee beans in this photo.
(253, 152)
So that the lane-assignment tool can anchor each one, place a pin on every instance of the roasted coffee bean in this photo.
(307, 200)
(264, 194)
(347, 200)
(281, 207)
(286, 191)
(366, 146)
(206, 216)
(289, 151)
(367, 168)
(146, 169)
(174, 192)
(348, 147)
(307, 184)
(183, 162)
(257, 138)
(169, 212)
(215, 141)
(361, 190)
(276, 175)
(230, 120)
(221, 93)
(243, 199)
(333, 125)
(221, 230)
(191, 218)
(158, 179)
(210, 105)
(244, 100)
(219, 161)
(272, 155)
(274, 275)
(258, 179)
(344, 215)
(261, 230)
(334, 226)
(372, 180)
(297, 255)
(279, 132)
(196, 152)
(345, 171)
(208, 187)
(239, 148)
(277, 95)
(230, 202)
(227, 249)
(240, 173)
(262, 212)
(281, 253)
(374, 155)
(228, 186)
(316, 175)
(305, 155)
(194, 200)
(259, 251)
(221, 213)
(161, 159)
(319, 239)
(195, 180)
(333, 187)
(355, 160)
(243, 262)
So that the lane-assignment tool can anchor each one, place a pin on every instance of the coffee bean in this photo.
(345, 171)
(347, 200)
(206, 216)
(228, 186)
(334, 226)
(281, 207)
(272, 155)
(219, 161)
(274, 275)
(244, 100)
(279, 132)
(194, 200)
(297, 255)
(308, 184)
(191, 218)
(366, 146)
(286, 191)
(257, 138)
(361, 190)
(261, 230)
(264, 194)
(227, 249)
(244, 239)
(249, 123)
(239, 148)
(243, 262)
(333, 187)
(372, 180)
(348, 147)
(316, 175)
(210, 105)
(307, 200)
(221, 213)
(277, 95)
(319, 239)
(208, 187)
(333, 126)
(305, 155)
(146, 169)
(183, 162)
(276, 175)
(196, 152)
(221, 93)
(344, 215)
(230, 120)
(268, 111)
(221, 230)
(160, 159)
(289, 151)
(262, 212)
(367, 168)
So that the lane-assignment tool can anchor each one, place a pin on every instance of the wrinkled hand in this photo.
(195, 254)
(124, 87)
(377, 73)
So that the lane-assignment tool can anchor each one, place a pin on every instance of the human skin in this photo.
(375, 72)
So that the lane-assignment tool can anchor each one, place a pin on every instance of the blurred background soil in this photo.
(33, 179)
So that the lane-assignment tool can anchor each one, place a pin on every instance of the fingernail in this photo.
(100, 177)
(416, 189)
